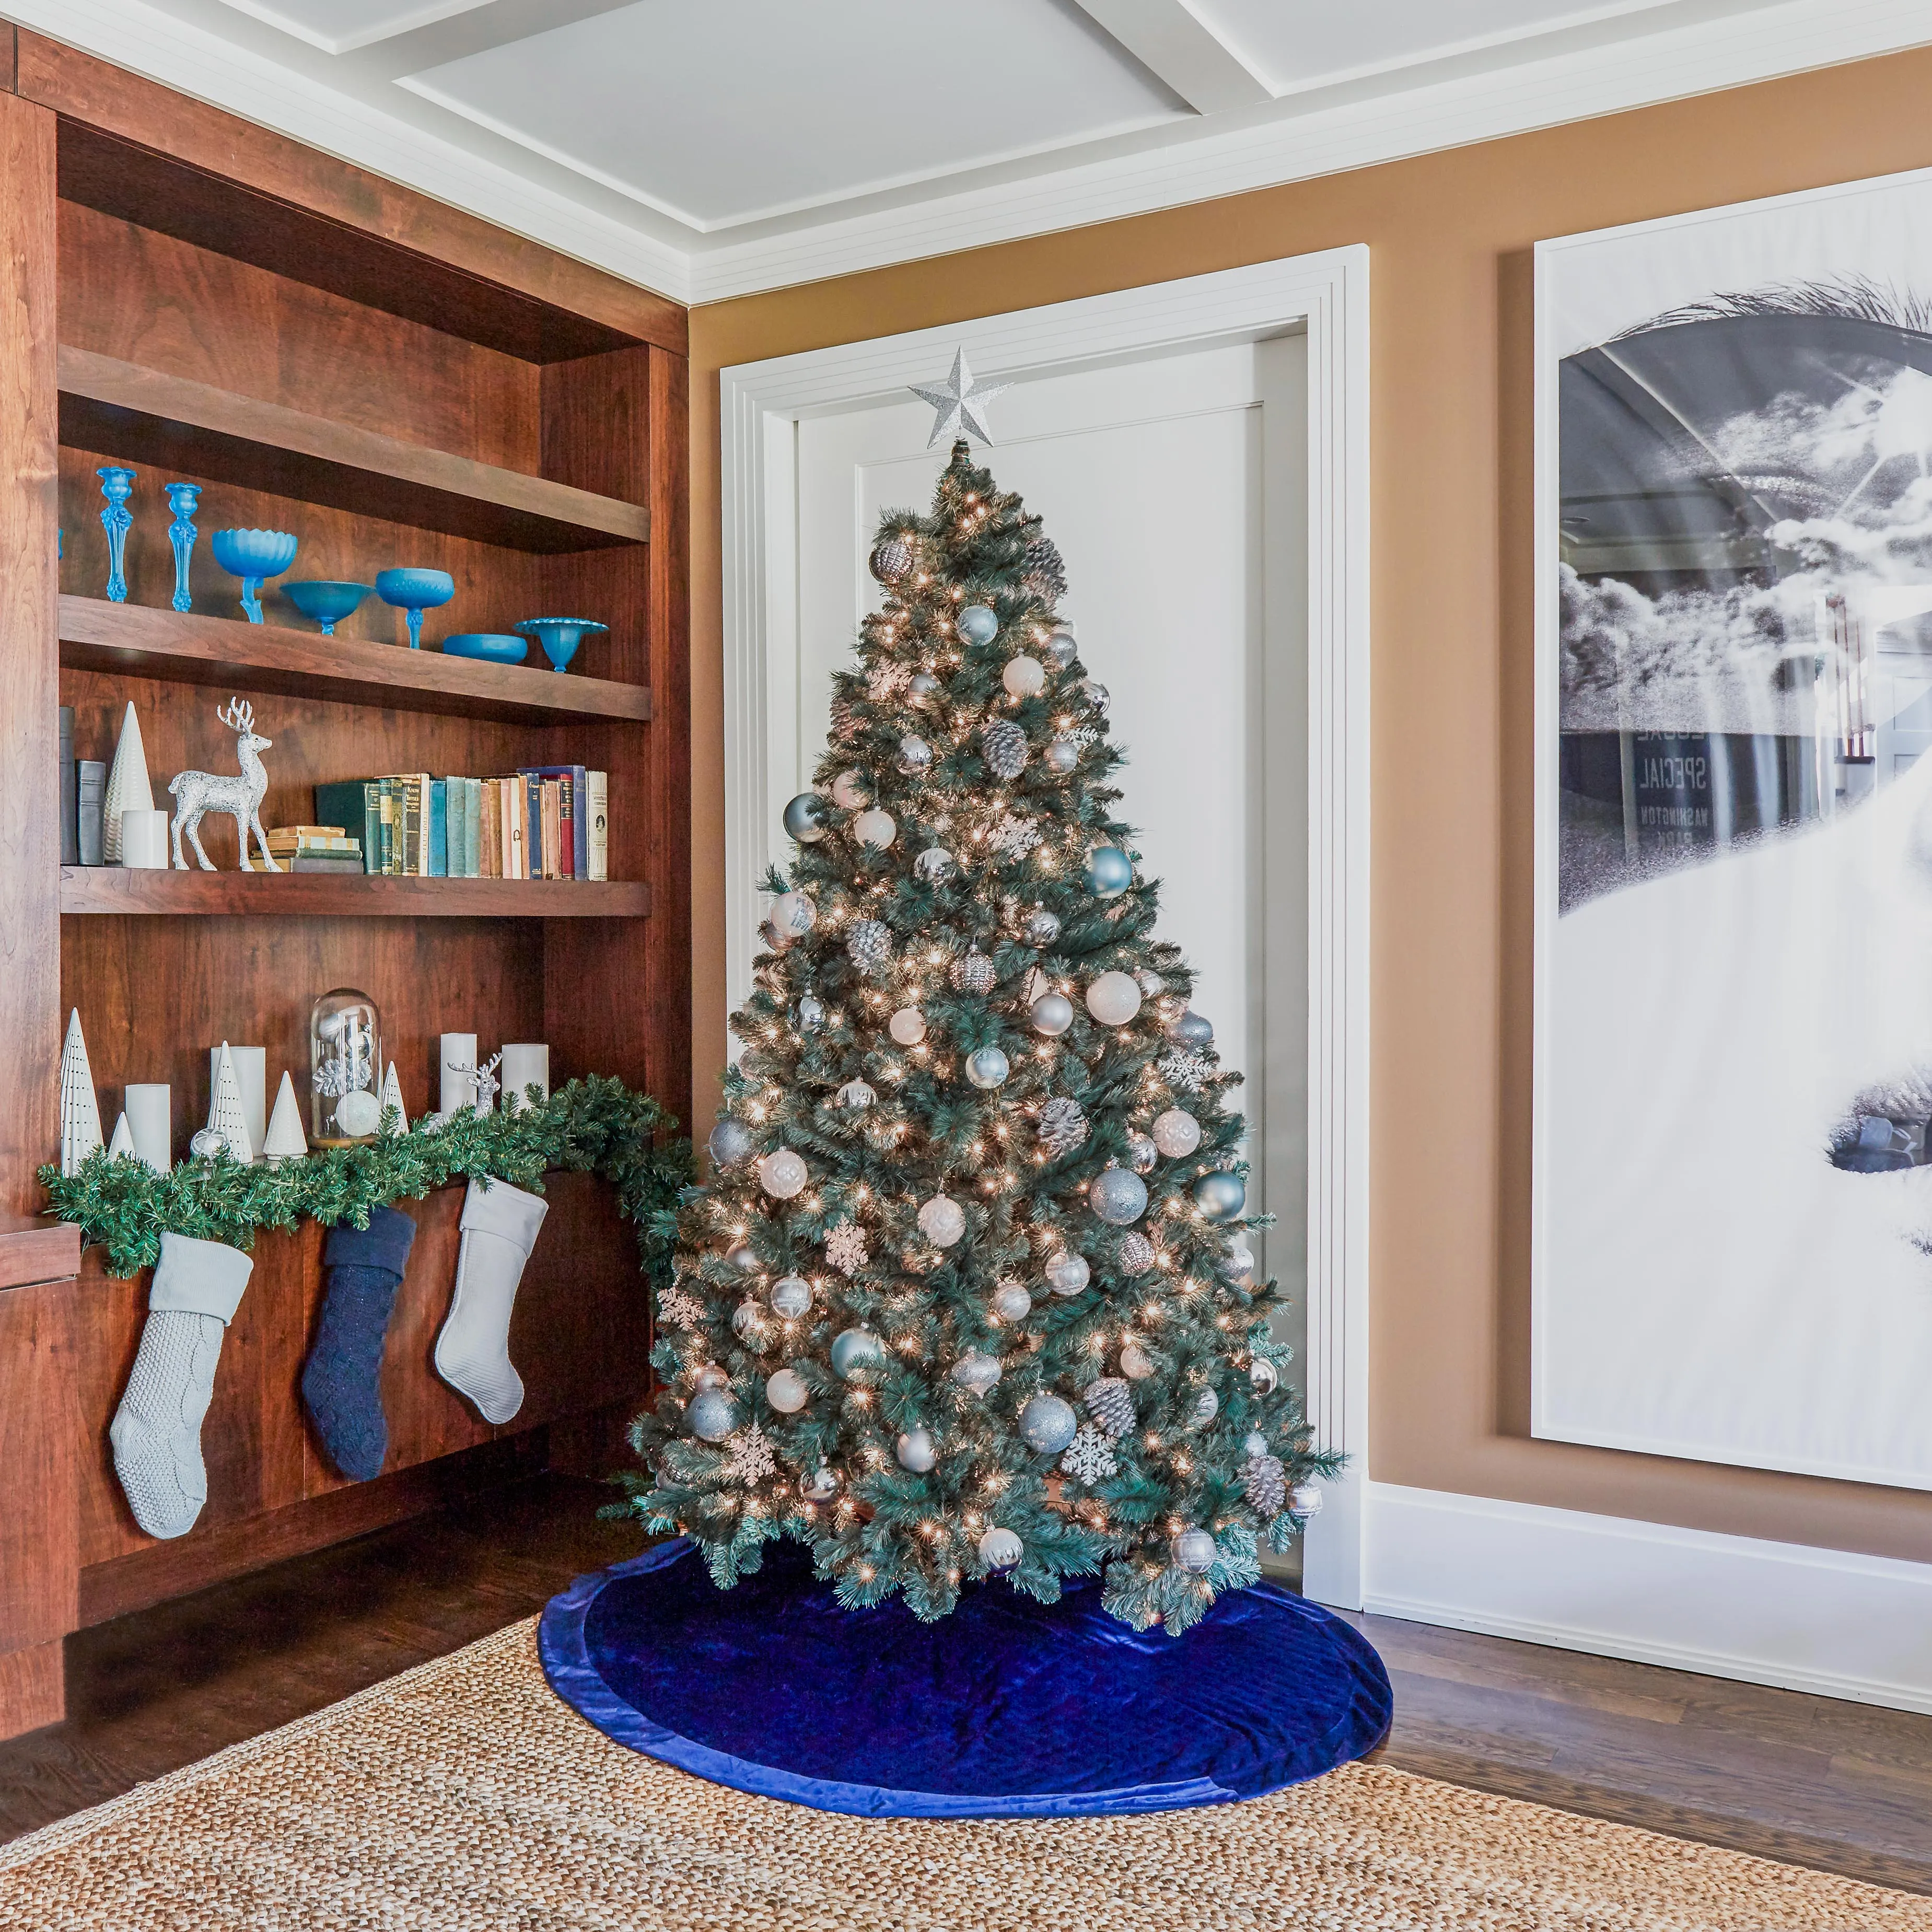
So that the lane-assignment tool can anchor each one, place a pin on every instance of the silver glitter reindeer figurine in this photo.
(195, 792)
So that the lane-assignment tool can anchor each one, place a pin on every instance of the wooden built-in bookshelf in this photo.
(397, 383)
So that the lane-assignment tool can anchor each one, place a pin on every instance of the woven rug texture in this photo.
(464, 1795)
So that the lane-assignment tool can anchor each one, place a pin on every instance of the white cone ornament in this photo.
(227, 1117)
(80, 1110)
(392, 1096)
(128, 789)
(285, 1140)
(942, 1221)
(121, 1146)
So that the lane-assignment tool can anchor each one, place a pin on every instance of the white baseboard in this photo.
(1822, 1621)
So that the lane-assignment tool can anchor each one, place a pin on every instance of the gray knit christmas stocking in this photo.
(472, 1353)
(157, 1431)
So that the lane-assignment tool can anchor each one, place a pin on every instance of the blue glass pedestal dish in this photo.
(413, 591)
(252, 555)
(327, 601)
(560, 636)
(491, 647)
(1007, 1708)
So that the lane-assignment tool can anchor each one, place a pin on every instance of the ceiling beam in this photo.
(477, 29)
(1169, 39)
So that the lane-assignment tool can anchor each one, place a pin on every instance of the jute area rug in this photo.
(464, 1795)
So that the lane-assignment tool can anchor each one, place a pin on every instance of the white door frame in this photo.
(761, 404)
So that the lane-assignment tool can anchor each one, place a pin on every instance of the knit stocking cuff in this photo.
(199, 1278)
(384, 1244)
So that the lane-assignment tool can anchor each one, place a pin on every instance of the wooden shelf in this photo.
(117, 889)
(144, 415)
(179, 647)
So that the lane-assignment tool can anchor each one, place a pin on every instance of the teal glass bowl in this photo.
(412, 592)
(492, 647)
(327, 602)
(560, 636)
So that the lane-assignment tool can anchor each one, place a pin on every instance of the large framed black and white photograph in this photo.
(1732, 1256)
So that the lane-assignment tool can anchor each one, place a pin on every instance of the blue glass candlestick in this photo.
(116, 485)
(182, 499)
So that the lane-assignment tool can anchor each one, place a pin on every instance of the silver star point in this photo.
(960, 403)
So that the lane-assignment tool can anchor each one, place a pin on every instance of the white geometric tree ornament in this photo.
(285, 1140)
(121, 1146)
(392, 1096)
(80, 1111)
(127, 787)
(227, 1117)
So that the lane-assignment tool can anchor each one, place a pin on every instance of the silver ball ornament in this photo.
(1194, 1550)
(915, 755)
(976, 1372)
(850, 789)
(987, 1068)
(917, 1451)
(934, 865)
(1024, 677)
(1136, 1364)
(907, 1026)
(891, 561)
(1000, 1549)
(1113, 999)
(875, 829)
(713, 1415)
(808, 1015)
(1263, 1376)
(1142, 1153)
(854, 1349)
(973, 972)
(1203, 1409)
(783, 1174)
(821, 1486)
(1192, 1029)
(1150, 983)
(923, 685)
(1048, 1423)
(1063, 646)
(1095, 694)
(1011, 1302)
(1062, 755)
(1109, 873)
(730, 1142)
(711, 1376)
(1238, 1263)
(806, 819)
(793, 914)
(1118, 1195)
(855, 1097)
(1305, 1500)
(747, 1319)
(1220, 1196)
(1042, 927)
(1068, 1274)
(786, 1392)
(1176, 1132)
(742, 1258)
(978, 624)
(790, 1296)
(1052, 1014)
(942, 1221)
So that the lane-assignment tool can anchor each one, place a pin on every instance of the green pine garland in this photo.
(596, 1125)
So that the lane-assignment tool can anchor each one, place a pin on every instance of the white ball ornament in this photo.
(851, 789)
(978, 624)
(855, 1097)
(942, 1221)
(1204, 1408)
(1118, 1195)
(1011, 1302)
(875, 829)
(1062, 755)
(1052, 1014)
(790, 1296)
(1194, 1550)
(1000, 1549)
(783, 1174)
(1176, 1132)
(935, 865)
(1048, 1423)
(786, 1392)
(1263, 1376)
(976, 1372)
(1024, 676)
(987, 1068)
(907, 1026)
(793, 914)
(1136, 1364)
(917, 1451)
(358, 1113)
(1068, 1274)
(713, 1415)
(1113, 999)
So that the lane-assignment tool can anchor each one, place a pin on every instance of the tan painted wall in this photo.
(1449, 374)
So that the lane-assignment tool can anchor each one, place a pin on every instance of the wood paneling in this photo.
(39, 1446)
(32, 1694)
(133, 148)
(108, 889)
(32, 1249)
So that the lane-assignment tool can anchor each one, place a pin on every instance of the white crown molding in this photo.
(1825, 1621)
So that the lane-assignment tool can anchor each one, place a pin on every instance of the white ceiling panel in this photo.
(1298, 44)
(727, 111)
(336, 26)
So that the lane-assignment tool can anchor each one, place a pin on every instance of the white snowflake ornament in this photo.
(1089, 1457)
(680, 1310)
(748, 1458)
(1013, 837)
(845, 1248)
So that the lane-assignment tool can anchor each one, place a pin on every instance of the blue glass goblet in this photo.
(415, 592)
(252, 555)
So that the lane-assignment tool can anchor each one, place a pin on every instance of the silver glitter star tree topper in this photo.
(960, 403)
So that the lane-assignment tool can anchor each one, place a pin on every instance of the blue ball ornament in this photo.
(979, 624)
(1191, 1029)
(711, 1414)
(806, 819)
(730, 1142)
(1109, 872)
(1118, 1195)
(1048, 1423)
(988, 1067)
(1220, 1196)
(856, 1348)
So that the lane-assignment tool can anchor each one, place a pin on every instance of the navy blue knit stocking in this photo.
(341, 1382)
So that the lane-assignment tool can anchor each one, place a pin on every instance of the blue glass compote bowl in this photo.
(559, 636)
(252, 555)
(326, 602)
(415, 592)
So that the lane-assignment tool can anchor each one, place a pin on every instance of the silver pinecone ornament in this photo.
(1045, 576)
(973, 973)
(891, 560)
(1110, 1402)
(1062, 1126)
(1264, 1482)
(869, 945)
(1005, 746)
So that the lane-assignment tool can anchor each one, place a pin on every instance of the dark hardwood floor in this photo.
(1841, 1786)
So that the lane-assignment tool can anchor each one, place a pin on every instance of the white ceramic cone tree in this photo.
(80, 1109)
(128, 789)
(285, 1139)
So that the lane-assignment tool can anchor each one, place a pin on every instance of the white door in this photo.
(1174, 488)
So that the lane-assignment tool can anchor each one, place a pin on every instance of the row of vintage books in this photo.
(543, 822)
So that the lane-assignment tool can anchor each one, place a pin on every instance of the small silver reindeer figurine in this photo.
(195, 792)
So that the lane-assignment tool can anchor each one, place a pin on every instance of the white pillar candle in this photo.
(144, 841)
(251, 1074)
(525, 1065)
(457, 1090)
(150, 1109)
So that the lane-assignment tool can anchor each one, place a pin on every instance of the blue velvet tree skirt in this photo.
(1007, 1708)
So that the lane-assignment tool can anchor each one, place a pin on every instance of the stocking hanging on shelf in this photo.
(80, 1111)
(472, 1352)
(341, 1383)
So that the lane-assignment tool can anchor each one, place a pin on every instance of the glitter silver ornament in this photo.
(972, 972)
(1142, 1153)
(891, 561)
(875, 829)
(869, 945)
(1011, 1302)
(923, 685)
(820, 1485)
(1203, 1409)
(1067, 1272)
(1264, 1378)
(1041, 927)
(1220, 1196)
(1052, 1014)
(786, 1392)
(711, 1414)
(907, 1026)
(1062, 1127)
(790, 1296)
(1047, 1424)
(1136, 1255)
(1136, 1364)
(1000, 1549)
(1194, 1550)
(730, 1142)
(1191, 1029)
(978, 624)
(1305, 1500)
(1095, 693)
(1062, 755)
(794, 914)
(976, 1372)
(987, 1068)
(782, 1174)
(1110, 1402)
(854, 1348)
(1118, 1195)
(806, 819)
(855, 1097)
(934, 865)
(1238, 1263)
(917, 1451)
(915, 755)
(1063, 646)
(1264, 1483)
(1024, 676)
(1176, 1132)
(1004, 745)
(942, 1221)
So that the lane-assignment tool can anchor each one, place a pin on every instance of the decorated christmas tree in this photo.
(969, 1294)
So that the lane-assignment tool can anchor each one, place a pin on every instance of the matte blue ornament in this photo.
(1191, 1029)
(1109, 872)
(713, 1414)
(117, 485)
(730, 1142)
(1048, 1424)
(988, 1067)
(182, 499)
(856, 1348)
(806, 819)
(1118, 1195)
(1220, 1196)
(978, 624)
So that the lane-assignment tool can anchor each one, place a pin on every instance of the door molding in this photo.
(1325, 295)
